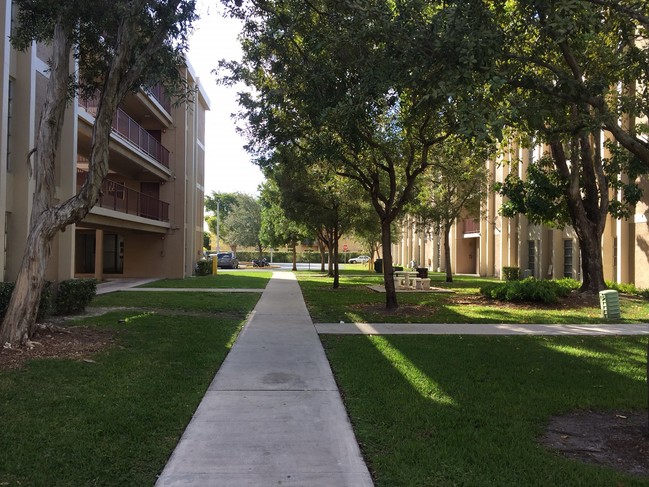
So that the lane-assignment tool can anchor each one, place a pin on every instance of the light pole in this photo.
(218, 236)
(215, 259)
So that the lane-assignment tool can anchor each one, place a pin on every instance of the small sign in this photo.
(345, 249)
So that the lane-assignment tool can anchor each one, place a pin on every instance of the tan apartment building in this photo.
(149, 219)
(484, 244)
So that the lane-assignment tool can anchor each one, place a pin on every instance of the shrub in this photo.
(623, 287)
(203, 267)
(74, 295)
(511, 273)
(530, 289)
(44, 306)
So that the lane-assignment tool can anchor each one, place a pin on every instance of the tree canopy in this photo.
(369, 89)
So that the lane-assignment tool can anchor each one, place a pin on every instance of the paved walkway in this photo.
(479, 329)
(273, 414)
(119, 284)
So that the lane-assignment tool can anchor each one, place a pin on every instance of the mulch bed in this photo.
(57, 341)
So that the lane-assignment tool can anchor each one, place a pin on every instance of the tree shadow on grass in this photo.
(469, 410)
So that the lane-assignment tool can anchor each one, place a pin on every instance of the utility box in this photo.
(609, 301)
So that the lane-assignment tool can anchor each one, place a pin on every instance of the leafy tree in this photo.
(371, 88)
(456, 186)
(277, 229)
(562, 64)
(243, 223)
(314, 195)
(219, 205)
(119, 45)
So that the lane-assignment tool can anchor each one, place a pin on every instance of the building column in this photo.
(624, 260)
(99, 255)
(422, 249)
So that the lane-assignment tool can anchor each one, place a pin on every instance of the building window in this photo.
(10, 103)
(567, 257)
(531, 256)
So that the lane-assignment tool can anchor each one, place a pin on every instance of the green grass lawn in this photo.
(223, 279)
(355, 302)
(115, 420)
(467, 410)
(235, 304)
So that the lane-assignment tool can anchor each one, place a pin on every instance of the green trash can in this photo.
(378, 266)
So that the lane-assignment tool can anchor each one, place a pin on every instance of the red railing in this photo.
(471, 225)
(132, 131)
(117, 197)
(159, 94)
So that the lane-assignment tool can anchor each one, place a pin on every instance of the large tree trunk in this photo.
(388, 269)
(592, 266)
(588, 207)
(336, 239)
(294, 252)
(321, 249)
(330, 264)
(20, 318)
(447, 253)
(46, 218)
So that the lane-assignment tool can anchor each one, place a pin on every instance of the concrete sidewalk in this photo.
(478, 329)
(273, 414)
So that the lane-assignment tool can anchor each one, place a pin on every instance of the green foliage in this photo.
(156, 47)
(224, 203)
(243, 223)
(530, 290)
(511, 273)
(73, 295)
(628, 288)
(203, 267)
(540, 196)
(44, 306)
(278, 229)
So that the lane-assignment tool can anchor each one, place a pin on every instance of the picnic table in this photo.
(410, 280)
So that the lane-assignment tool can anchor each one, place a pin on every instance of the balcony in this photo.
(117, 197)
(132, 131)
(471, 225)
(161, 97)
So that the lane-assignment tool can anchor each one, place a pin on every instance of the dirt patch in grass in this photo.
(614, 439)
(574, 300)
(58, 341)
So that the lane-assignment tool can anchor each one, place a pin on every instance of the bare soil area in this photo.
(58, 341)
(616, 439)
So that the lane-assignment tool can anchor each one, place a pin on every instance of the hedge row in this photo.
(530, 289)
(72, 296)
(287, 257)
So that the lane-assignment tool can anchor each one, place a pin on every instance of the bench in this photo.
(422, 283)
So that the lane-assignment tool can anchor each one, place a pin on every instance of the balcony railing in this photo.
(132, 131)
(117, 197)
(159, 94)
(471, 225)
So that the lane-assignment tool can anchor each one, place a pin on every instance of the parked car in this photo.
(227, 260)
(361, 259)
